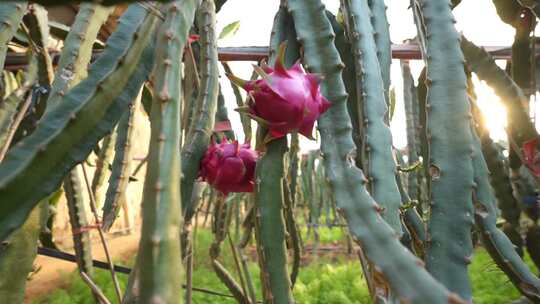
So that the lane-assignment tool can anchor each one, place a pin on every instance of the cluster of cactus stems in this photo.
(411, 221)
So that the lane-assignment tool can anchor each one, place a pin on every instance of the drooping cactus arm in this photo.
(66, 135)
(11, 14)
(381, 34)
(500, 181)
(404, 271)
(104, 158)
(378, 161)
(159, 251)
(121, 166)
(78, 220)
(495, 241)
(483, 65)
(450, 142)
(412, 220)
(203, 122)
(352, 85)
(412, 122)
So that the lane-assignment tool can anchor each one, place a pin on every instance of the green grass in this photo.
(321, 282)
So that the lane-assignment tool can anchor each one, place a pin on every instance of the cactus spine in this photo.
(11, 14)
(407, 278)
(378, 162)
(199, 136)
(67, 134)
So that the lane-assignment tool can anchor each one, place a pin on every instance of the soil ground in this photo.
(52, 271)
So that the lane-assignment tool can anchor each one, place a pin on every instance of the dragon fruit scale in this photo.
(229, 167)
(284, 100)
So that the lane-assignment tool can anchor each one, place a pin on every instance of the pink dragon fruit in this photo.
(284, 100)
(531, 156)
(229, 167)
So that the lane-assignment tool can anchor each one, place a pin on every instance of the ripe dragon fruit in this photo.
(531, 156)
(229, 167)
(284, 100)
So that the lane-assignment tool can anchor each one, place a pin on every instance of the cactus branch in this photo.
(159, 250)
(449, 161)
(67, 134)
(378, 162)
(199, 135)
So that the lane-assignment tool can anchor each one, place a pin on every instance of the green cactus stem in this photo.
(121, 167)
(104, 159)
(191, 85)
(483, 65)
(77, 51)
(17, 256)
(11, 14)
(378, 161)
(71, 70)
(354, 101)
(449, 249)
(413, 221)
(198, 137)
(46, 235)
(500, 182)
(66, 135)
(533, 5)
(79, 223)
(220, 228)
(410, 281)
(38, 30)
(381, 35)
(159, 250)
(522, 52)
(222, 115)
(35, 27)
(270, 200)
(245, 120)
(495, 241)
(102, 2)
(9, 109)
(412, 120)
(270, 224)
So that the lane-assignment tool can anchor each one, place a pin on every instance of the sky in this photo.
(476, 19)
